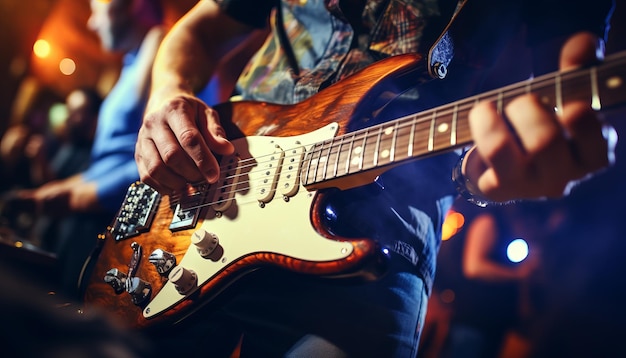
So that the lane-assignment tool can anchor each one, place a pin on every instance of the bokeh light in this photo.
(67, 66)
(517, 250)
(41, 48)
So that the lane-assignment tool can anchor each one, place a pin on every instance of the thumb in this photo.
(216, 136)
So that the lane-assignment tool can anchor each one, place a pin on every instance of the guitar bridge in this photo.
(137, 212)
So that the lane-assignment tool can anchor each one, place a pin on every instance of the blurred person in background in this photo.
(76, 139)
(47, 162)
(495, 284)
(86, 202)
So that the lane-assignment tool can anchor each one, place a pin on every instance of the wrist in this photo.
(166, 92)
(464, 185)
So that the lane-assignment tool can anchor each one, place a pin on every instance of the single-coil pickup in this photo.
(290, 179)
(268, 172)
(226, 186)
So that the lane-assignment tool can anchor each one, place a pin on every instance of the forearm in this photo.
(83, 197)
(489, 271)
(184, 62)
(60, 197)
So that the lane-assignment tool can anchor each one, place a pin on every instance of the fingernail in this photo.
(211, 175)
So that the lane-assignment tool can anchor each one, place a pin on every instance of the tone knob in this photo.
(205, 242)
(183, 279)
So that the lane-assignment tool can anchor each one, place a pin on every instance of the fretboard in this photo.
(444, 128)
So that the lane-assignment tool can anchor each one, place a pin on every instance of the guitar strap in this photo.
(442, 51)
(284, 40)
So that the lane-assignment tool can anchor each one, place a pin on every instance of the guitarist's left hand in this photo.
(538, 152)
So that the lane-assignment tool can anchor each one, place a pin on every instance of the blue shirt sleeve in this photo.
(113, 166)
(113, 175)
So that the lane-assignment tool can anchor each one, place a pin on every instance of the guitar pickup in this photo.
(269, 169)
(226, 186)
(290, 174)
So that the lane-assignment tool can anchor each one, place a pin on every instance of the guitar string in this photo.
(362, 135)
(511, 90)
(537, 84)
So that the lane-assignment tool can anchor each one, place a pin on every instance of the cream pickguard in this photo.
(268, 211)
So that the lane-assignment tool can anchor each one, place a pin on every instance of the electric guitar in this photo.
(164, 257)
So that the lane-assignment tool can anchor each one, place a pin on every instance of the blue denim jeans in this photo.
(296, 317)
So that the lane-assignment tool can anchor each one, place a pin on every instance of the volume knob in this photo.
(205, 242)
(183, 279)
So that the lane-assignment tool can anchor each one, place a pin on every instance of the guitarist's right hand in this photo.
(177, 142)
(180, 134)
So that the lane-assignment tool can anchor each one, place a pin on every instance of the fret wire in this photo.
(362, 156)
(465, 126)
(336, 166)
(308, 166)
(453, 129)
(380, 131)
(558, 94)
(392, 152)
(317, 164)
(330, 148)
(411, 138)
(350, 154)
(431, 139)
(595, 94)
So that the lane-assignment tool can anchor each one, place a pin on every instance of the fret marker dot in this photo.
(614, 82)
(384, 153)
(357, 150)
(355, 161)
(443, 127)
(388, 131)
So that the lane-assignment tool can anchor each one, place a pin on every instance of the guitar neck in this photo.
(377, 148)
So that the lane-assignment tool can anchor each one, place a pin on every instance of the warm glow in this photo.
(67, 66)
(453, 223)
(41, 48)
(456, 219)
